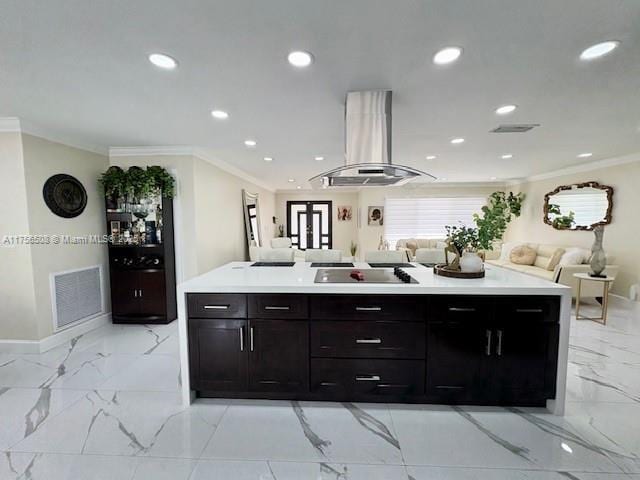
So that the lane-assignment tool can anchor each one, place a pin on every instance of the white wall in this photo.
(620, 237)
(17, 292)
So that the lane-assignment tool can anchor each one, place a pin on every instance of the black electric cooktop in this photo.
(273, 264)
(368, 275)
(331, 264)
(391, 265)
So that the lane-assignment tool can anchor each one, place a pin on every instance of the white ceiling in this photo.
(80, 69)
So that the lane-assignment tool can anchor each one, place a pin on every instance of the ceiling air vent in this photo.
(515, 128)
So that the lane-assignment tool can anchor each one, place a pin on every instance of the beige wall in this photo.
(344, 232)
(17, 293)
(208, 209)
(42, 159)
(620, 238)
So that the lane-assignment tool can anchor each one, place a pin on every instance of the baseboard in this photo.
(58, 338)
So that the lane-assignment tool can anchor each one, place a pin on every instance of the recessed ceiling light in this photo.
(447, 55)
(585, 155)
(494, 178)
(599, 50)
(250, 143)
(298, 187)
(219, 114)
(163, 61)
(268, 159)
(507, 156)
(431, 157)
(300, 58)
(319, 158)
(291, 180)
(457, 141)
(443, 179)
(505, 109)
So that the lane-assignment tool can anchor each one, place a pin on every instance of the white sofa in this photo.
(573, 260)
(429, 248)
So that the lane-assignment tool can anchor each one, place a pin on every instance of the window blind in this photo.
(427, 217)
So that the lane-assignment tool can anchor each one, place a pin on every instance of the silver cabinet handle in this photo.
(368, 340)
(135, 294)
(369, 309)
(216, 307)
(499, 349)
(251, 339)
(140, 293)
(271, 307)
(461, 309)
(367, 378)
(242, 339)
(529, 310)
(488, 347)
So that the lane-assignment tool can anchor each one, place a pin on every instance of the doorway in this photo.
(309, 224)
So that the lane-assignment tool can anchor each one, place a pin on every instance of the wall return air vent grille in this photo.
(515, 128)
(76, 296)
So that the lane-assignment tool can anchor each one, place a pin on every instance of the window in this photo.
(427, 217)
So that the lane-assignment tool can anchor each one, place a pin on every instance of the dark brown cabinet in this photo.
(278, 356)
(139, 294)
(419, 349)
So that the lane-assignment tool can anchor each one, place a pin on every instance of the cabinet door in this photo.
(124, 293)
(218, 354)
(524, 359)
(456, 353)
(279, 355)
(151, 292)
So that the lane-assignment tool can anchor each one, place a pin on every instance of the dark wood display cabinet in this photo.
(498, 350)
(142, 275)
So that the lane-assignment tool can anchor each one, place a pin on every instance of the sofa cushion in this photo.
(548, 259)
(523, 255)
(412, 245)
(538, 272)
(575, 256)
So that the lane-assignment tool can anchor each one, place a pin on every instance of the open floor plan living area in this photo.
(304, 240)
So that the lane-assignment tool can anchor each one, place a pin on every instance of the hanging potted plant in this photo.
(114, 183)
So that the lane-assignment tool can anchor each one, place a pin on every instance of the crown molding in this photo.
(10, 125)
(585, 167)
(150, 151)
(222, 165)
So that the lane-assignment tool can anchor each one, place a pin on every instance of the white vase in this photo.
(471, 263)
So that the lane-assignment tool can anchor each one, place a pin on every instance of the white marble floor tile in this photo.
(230, 469)
(164, 469)
(127, 423)
(133, 339)
(447, 473)
(306, 431)
(496, 438)
(334, 471)
(150, 373)
(24, 410)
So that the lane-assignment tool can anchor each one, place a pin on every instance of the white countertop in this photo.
(240, 277)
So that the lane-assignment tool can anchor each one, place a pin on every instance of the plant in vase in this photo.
(114, 183)
(496, 216)
(461, 241)
(353, 249)
(162, 183)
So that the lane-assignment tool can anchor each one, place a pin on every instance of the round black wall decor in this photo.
(64, 195)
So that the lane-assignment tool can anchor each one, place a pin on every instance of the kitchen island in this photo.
(275, 333)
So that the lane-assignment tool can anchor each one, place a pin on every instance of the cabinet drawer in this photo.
(366, 307)
(280, 306)
(529, 309)
(214, 305)
(367, 339)
(459, 309)
(350, 379)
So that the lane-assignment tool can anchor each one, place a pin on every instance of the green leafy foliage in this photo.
(463, 238)
(495, 217)
(137, 182)
(561, 222)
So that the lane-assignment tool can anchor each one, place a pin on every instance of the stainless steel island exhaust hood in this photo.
(368, 146)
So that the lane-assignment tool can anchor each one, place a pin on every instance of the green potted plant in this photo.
(162, 183)
(353, 249)
(495, 217)
(114, 183)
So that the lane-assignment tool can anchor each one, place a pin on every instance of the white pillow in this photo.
(505, 253)
(574, 256)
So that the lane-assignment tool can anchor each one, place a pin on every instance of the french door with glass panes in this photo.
(309, 224)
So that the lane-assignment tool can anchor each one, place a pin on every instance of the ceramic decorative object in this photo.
(598, 257)
(471, 262)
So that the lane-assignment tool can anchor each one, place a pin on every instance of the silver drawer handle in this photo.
(461, 309)
(270, 307)
(529, 310)
(488, 346)
(499, 349)
(367, 378)
(241, 339)
(368, 340)
(216, 307)
(369, 309)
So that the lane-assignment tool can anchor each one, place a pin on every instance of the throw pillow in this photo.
(505, 251)
(413, 246)
(574, 256)
(523, 255)
(555, 259)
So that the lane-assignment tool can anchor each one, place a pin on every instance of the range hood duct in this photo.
(367, 146)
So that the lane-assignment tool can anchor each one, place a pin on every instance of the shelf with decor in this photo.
(139, 216)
